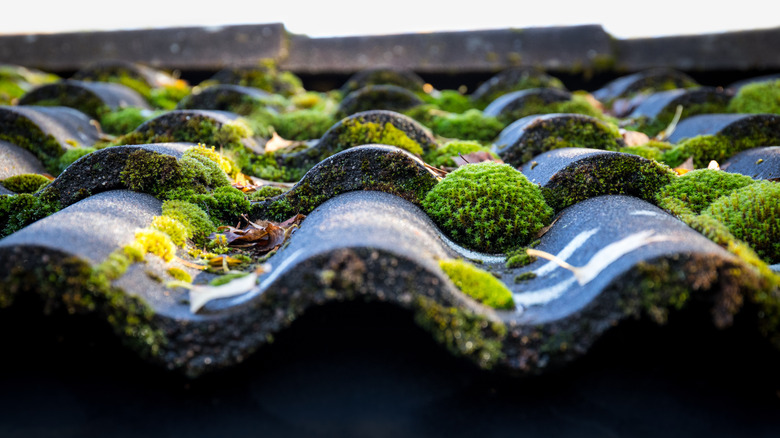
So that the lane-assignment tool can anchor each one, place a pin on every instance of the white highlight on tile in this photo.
(566, 252)
(541, 296)
(645, 213)
(602, 259)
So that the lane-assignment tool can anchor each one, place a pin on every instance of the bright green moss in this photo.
(149, 172)
(471, 125)
(758, 97)
(488, 207)
(697, 189)
(519, 258)
(173, 228)
(124, 120)
(22, 132)
(451, 101)
(225, 164)
(303, 124)
(752, 214)
(575, 131)
(356, 133)
(478, 284)
(705, 148)
(162, 175)
(611, 174)
(25, 183)
(71, 156)
(157, 243)
(265, 192)
(18, 211)
(10, 91)
(227, 278)
(443, 155)
(168, 96)
(180, 274)
(224, 205)
(197, 222)
(537, 105)
(265, 76)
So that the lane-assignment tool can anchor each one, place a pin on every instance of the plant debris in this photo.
(260, 236)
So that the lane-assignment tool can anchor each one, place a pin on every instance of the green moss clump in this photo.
(167, 97)
(22, 132)
(71, 156)
(519, 258)
(227, 278)
(265, 192)
(25, 183)
(554, 133)
(149, 172)
(356, 133)
(756, 98)
(180, 274)
(124, 120)
(265, 76)
(302, 125)
(471, 125)
(197, 222)
(697, 189)
(18, 211)
(224, 205)
(537, 105)
(173, 228)
(157, 243)
(488, 207)
(163, 176)
(443, 155)
(478, 284)
(451, 101)
(612, 174)
(703, 149)
(752, 214)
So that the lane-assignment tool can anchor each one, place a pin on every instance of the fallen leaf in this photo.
(475, 157)
(595, 103)
(221, 261)
(295, 220)
(685, 167)
(277, 142)
(634, 138)
(262, 236)
(440, 173)
(190, 264)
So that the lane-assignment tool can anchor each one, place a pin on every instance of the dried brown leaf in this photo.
(475, 157)
(685, 167)
(634, 138)
(277, 142)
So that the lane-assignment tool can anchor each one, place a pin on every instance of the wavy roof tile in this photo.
(198, 237)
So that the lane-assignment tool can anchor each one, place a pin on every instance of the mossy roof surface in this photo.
(624, 249)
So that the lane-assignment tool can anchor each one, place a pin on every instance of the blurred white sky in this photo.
(351, 17)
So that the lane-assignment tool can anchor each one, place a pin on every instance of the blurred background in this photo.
(349, 17)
